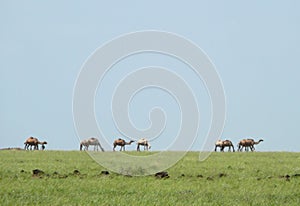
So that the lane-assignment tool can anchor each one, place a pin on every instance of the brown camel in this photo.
(32, 141)
(248, 143)
(91, 141)
(223, 144)
(144, 142)
(122, 143)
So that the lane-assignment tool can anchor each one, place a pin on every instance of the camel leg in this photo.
(138, 148)
(26, 146)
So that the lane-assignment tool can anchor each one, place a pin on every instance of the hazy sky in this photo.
(254, 45)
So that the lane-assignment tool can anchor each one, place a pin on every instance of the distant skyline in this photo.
(254, 46)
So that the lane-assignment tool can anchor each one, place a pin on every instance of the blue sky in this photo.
(254, 45)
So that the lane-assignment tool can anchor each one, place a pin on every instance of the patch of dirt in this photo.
(162, 175)
(222, 175)
(104, 172)
(37, 173)
(76, 172)
(12, 148)
(210, 178)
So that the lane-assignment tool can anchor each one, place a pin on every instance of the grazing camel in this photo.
(248, 143)
(32, 141)
(91, 141)
(144, 142)
(223, 144)
(122, 143)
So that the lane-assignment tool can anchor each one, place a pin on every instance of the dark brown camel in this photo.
(248, 143)
(32, 141)
(122, 143)
(223, 144)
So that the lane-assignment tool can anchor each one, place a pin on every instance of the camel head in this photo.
(131, 141)
(261, 140)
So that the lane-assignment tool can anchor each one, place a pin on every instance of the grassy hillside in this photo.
(73, 178)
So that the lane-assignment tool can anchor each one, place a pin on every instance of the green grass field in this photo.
(258, 178)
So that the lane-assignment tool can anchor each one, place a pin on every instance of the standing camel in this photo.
(223, 144)
(248, 143)
(84, 144)
(144, 142)
(122, 143)
(32, 141)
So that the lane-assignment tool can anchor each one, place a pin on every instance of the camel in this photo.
(223, 144)
(248, 143)
(144, 142)
(32, 141)
(91, 141)
(122, 143)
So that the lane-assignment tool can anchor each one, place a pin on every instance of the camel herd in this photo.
(84, 144)
(243, 144)
(33, 143)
